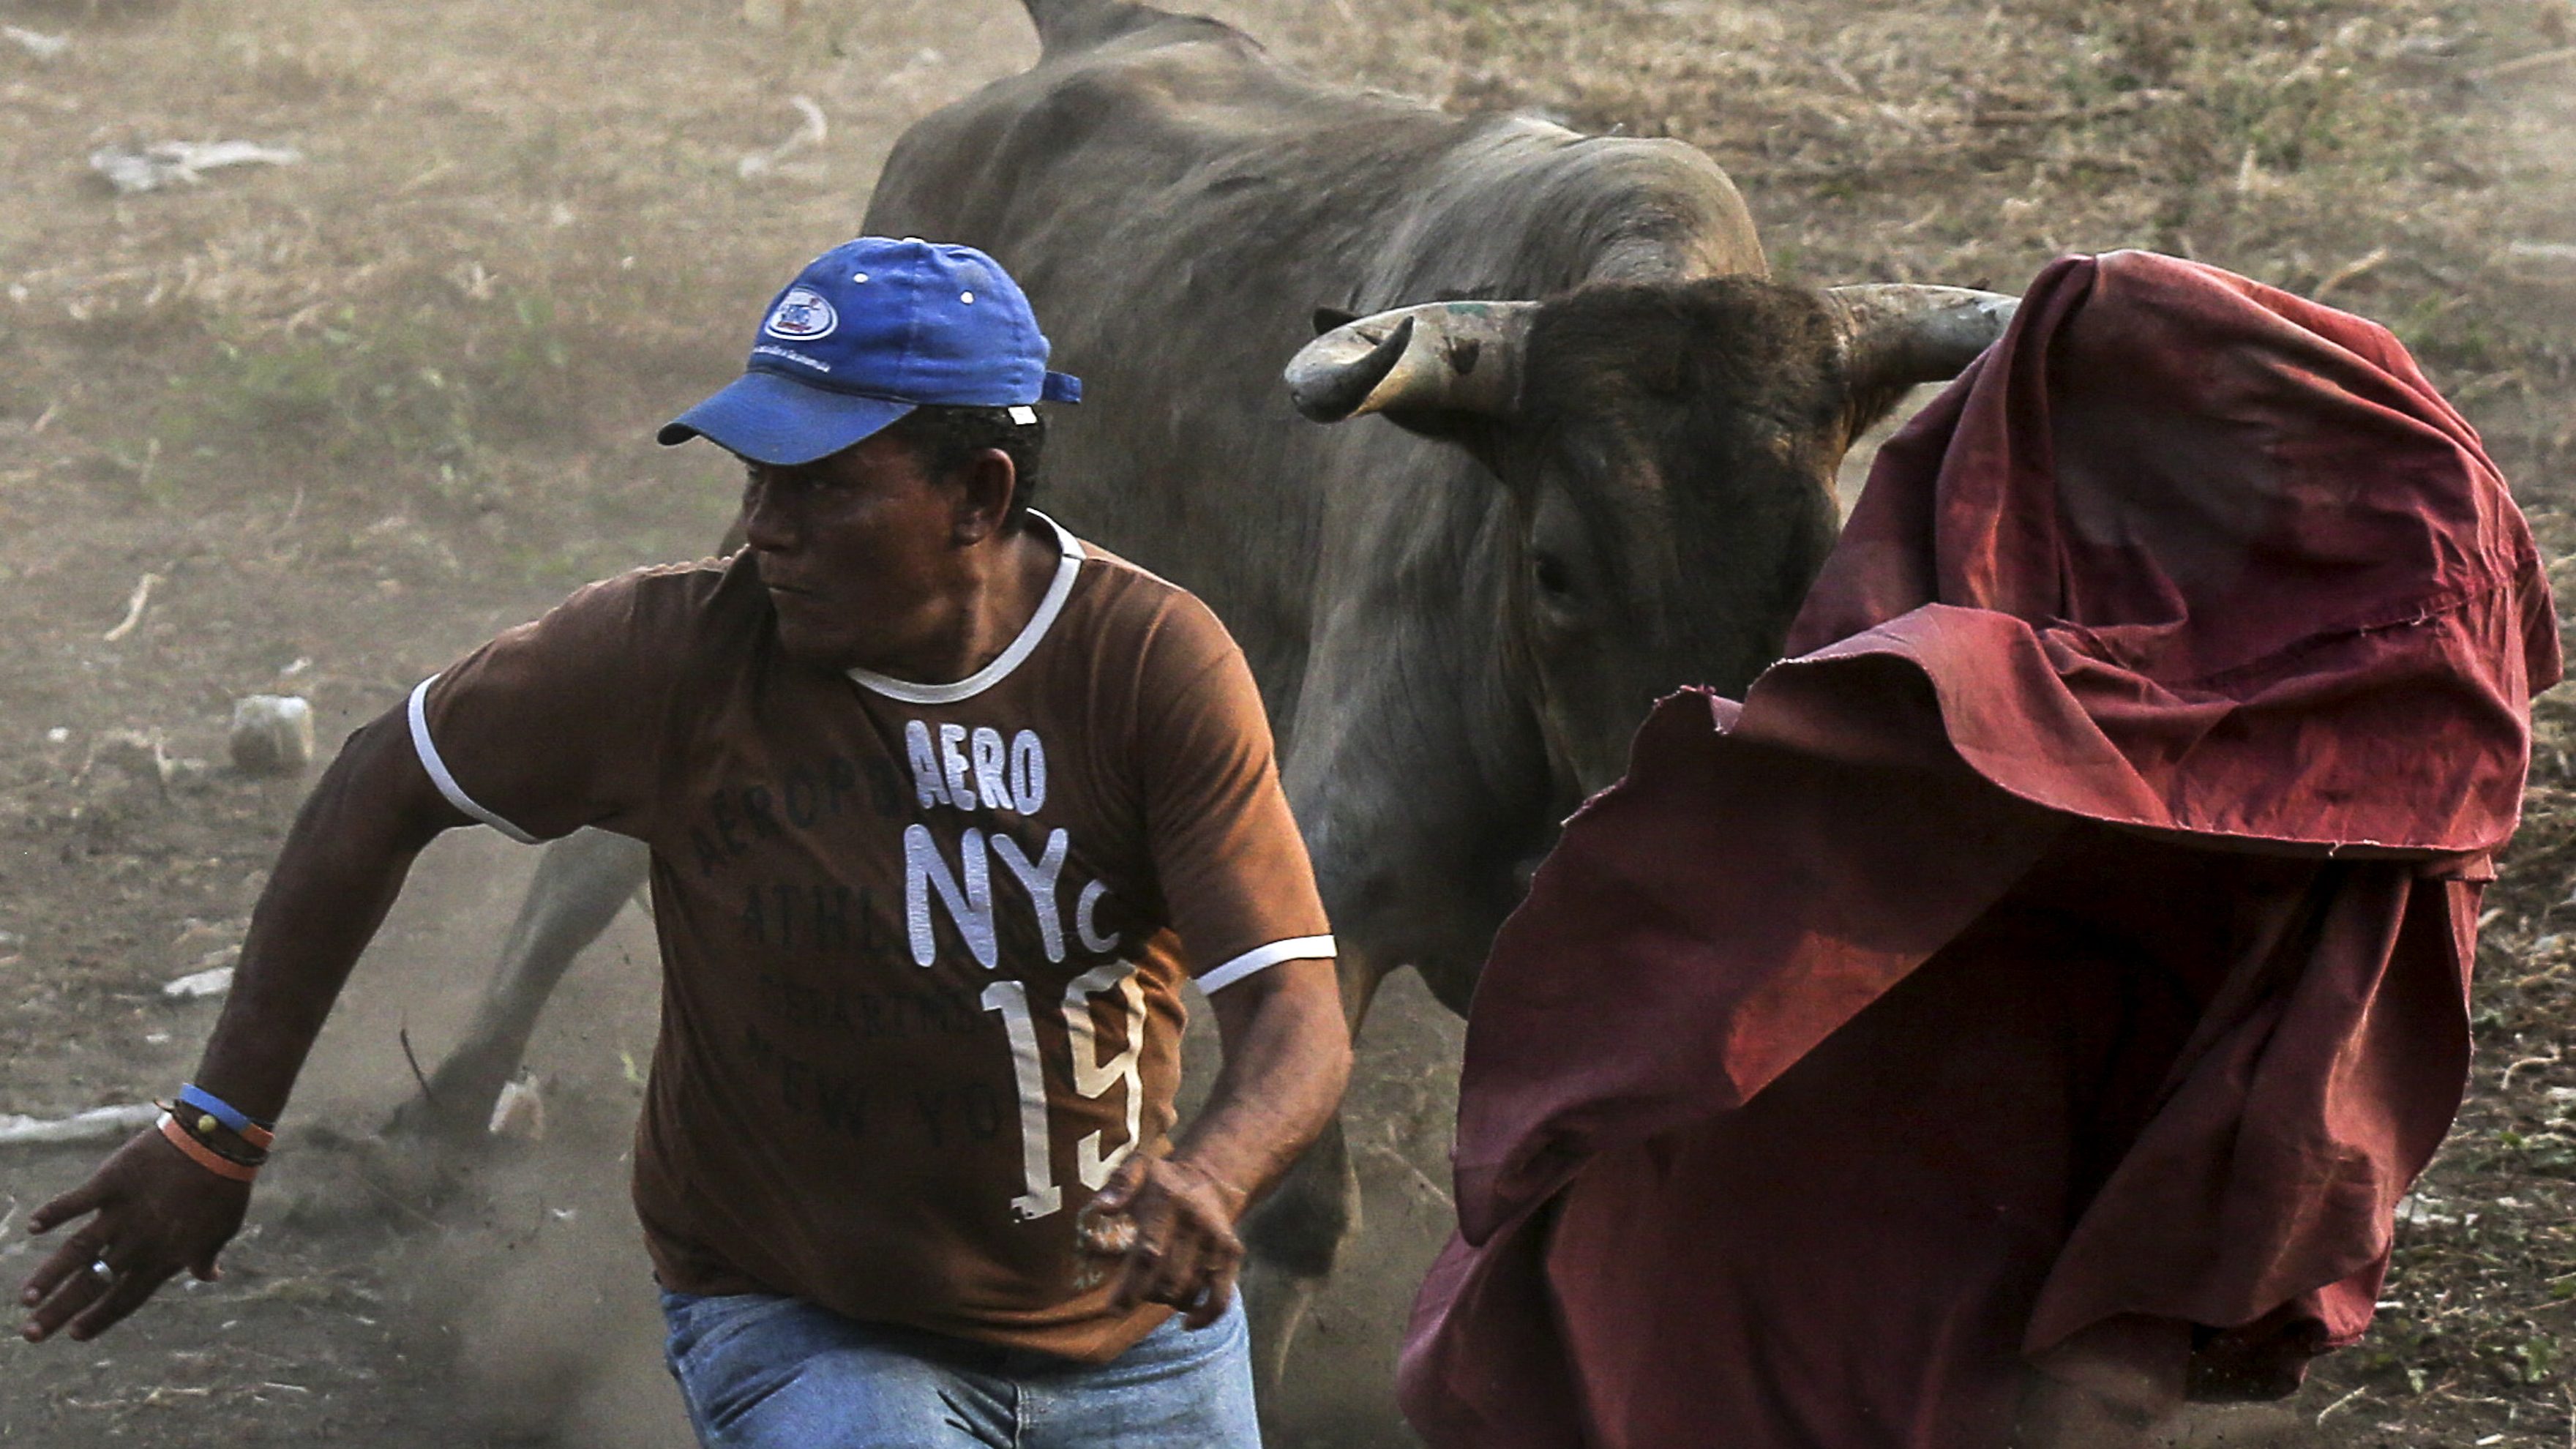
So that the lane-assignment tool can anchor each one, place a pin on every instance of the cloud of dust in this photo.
(557, 1330)
(520, 1269)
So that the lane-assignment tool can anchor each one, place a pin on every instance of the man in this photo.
(939, 802)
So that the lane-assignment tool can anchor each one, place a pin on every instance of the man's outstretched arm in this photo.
(339, 872)
(1287, 1058)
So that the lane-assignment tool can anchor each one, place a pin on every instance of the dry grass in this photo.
(498, 262)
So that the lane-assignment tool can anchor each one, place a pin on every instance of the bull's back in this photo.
(1177, 205)
(1156, 198)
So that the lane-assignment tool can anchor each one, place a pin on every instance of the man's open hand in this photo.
(157, 1213)
(1185, 1252)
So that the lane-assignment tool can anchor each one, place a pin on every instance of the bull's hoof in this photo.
(452, 1110)
(424, 1123)
(343, 1180)
(441, 1124)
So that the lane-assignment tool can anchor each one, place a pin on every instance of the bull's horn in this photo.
(1896, 335)
(1445, 356)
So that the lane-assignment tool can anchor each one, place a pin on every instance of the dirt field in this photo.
(356, 412)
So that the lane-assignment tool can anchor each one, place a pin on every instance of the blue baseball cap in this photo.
(867, 332)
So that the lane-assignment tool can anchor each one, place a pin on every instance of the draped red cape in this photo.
(2059, 964)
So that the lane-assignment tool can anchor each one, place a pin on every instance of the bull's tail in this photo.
(1066, 27)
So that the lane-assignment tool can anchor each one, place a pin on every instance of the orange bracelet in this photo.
(204, 1156)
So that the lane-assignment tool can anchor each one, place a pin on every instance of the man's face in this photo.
(860, 552)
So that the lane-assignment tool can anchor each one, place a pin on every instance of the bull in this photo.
(1581, 451)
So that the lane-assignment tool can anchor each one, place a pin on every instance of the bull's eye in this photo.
(1549, 573)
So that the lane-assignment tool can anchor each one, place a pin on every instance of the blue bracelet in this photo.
(242, 1123)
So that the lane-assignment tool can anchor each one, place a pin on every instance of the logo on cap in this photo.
(801, 316)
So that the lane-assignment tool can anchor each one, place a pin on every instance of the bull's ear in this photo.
(1328, 318)
(1896, 335)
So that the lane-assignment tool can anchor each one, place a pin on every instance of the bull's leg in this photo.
(581, 883)
(1292, 1242)
(1292, 1239)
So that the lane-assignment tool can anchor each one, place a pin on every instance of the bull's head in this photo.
(1669, 450)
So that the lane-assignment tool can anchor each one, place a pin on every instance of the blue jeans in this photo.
(764, 1372)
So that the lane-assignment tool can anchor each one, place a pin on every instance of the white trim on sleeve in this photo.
(1262, 958)
(438, 772)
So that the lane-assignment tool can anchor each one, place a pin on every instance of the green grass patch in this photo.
(427, 392)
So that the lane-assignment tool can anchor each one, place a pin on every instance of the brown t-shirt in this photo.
(922, 944)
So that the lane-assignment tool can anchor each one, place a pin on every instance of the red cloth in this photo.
(2067, 947)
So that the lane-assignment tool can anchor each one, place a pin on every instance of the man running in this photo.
(943, 805)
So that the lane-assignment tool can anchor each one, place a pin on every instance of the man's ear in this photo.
(987, 482)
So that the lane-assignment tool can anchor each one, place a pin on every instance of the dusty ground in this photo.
(359, 411)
